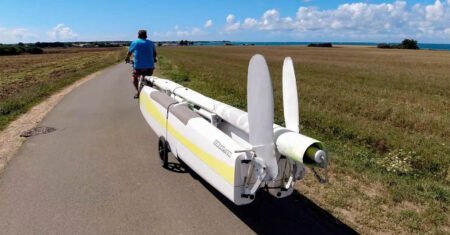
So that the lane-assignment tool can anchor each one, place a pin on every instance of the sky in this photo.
(427, 21)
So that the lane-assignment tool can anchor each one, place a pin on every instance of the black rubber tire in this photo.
(163, 151)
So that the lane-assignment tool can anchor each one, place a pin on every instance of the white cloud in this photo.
(61, 32)
(230, 19)
(356, 21)
(434, 12)
(197, 32)
(162, 35)
(16, 35)
(353, 17)
(179, 34)
(250, 22)
(209, 23)
(270, 21)
(231, 25)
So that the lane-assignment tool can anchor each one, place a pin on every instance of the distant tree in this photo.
(183, 43)
(2, 50)
(387, 46)
(20, 49)
(51, 44)
(409, 44)
(11, 51)
(35, 50)
(405, 44)
(327, 44)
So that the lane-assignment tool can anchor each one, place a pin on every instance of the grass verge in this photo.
(25, 80)
(382, 114)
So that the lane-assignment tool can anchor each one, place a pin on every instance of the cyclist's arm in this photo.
(154, 53)
(131, 49)
(128, 56)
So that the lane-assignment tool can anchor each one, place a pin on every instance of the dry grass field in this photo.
(27, 79)
(384, 116)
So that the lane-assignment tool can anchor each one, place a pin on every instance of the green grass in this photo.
(383, 115)
(25, 80)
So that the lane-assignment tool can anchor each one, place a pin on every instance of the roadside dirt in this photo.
(10, 140)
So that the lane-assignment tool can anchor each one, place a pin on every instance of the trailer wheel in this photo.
(163, 150)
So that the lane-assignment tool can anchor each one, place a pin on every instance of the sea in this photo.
(427, 46)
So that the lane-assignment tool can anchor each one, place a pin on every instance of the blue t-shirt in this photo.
(143, 53)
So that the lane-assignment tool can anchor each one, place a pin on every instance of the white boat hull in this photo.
(203, 147)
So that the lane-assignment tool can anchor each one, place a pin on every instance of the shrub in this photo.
(183, 43)
(19, 49)
(51, 44)
(406, 44)
(9, 50)
(409, 44)
(387, 46)
(35, 50)
(327, 44)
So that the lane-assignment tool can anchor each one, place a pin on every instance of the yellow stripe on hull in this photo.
(221, 168)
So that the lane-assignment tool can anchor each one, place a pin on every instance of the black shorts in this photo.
(144, 72)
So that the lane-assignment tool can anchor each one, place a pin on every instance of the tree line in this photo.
(20, 48)
(405, 44)
(185, 43)
(37, 48)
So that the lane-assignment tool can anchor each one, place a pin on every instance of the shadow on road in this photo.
(292, 215)
(295, 214)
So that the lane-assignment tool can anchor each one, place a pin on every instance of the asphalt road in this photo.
(99, 173)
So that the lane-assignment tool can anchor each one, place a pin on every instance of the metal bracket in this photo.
(260, 170)
(215, 120)
(324, 165)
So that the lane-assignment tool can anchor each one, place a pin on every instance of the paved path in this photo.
(99, 174)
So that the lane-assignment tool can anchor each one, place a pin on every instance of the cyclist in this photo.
(144, 58)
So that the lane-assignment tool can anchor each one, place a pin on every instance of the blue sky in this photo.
(266, 20)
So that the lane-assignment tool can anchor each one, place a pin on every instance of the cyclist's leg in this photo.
(135, 78)
(151, 74)
(148, 72)
(140, 83)
(139, 86)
